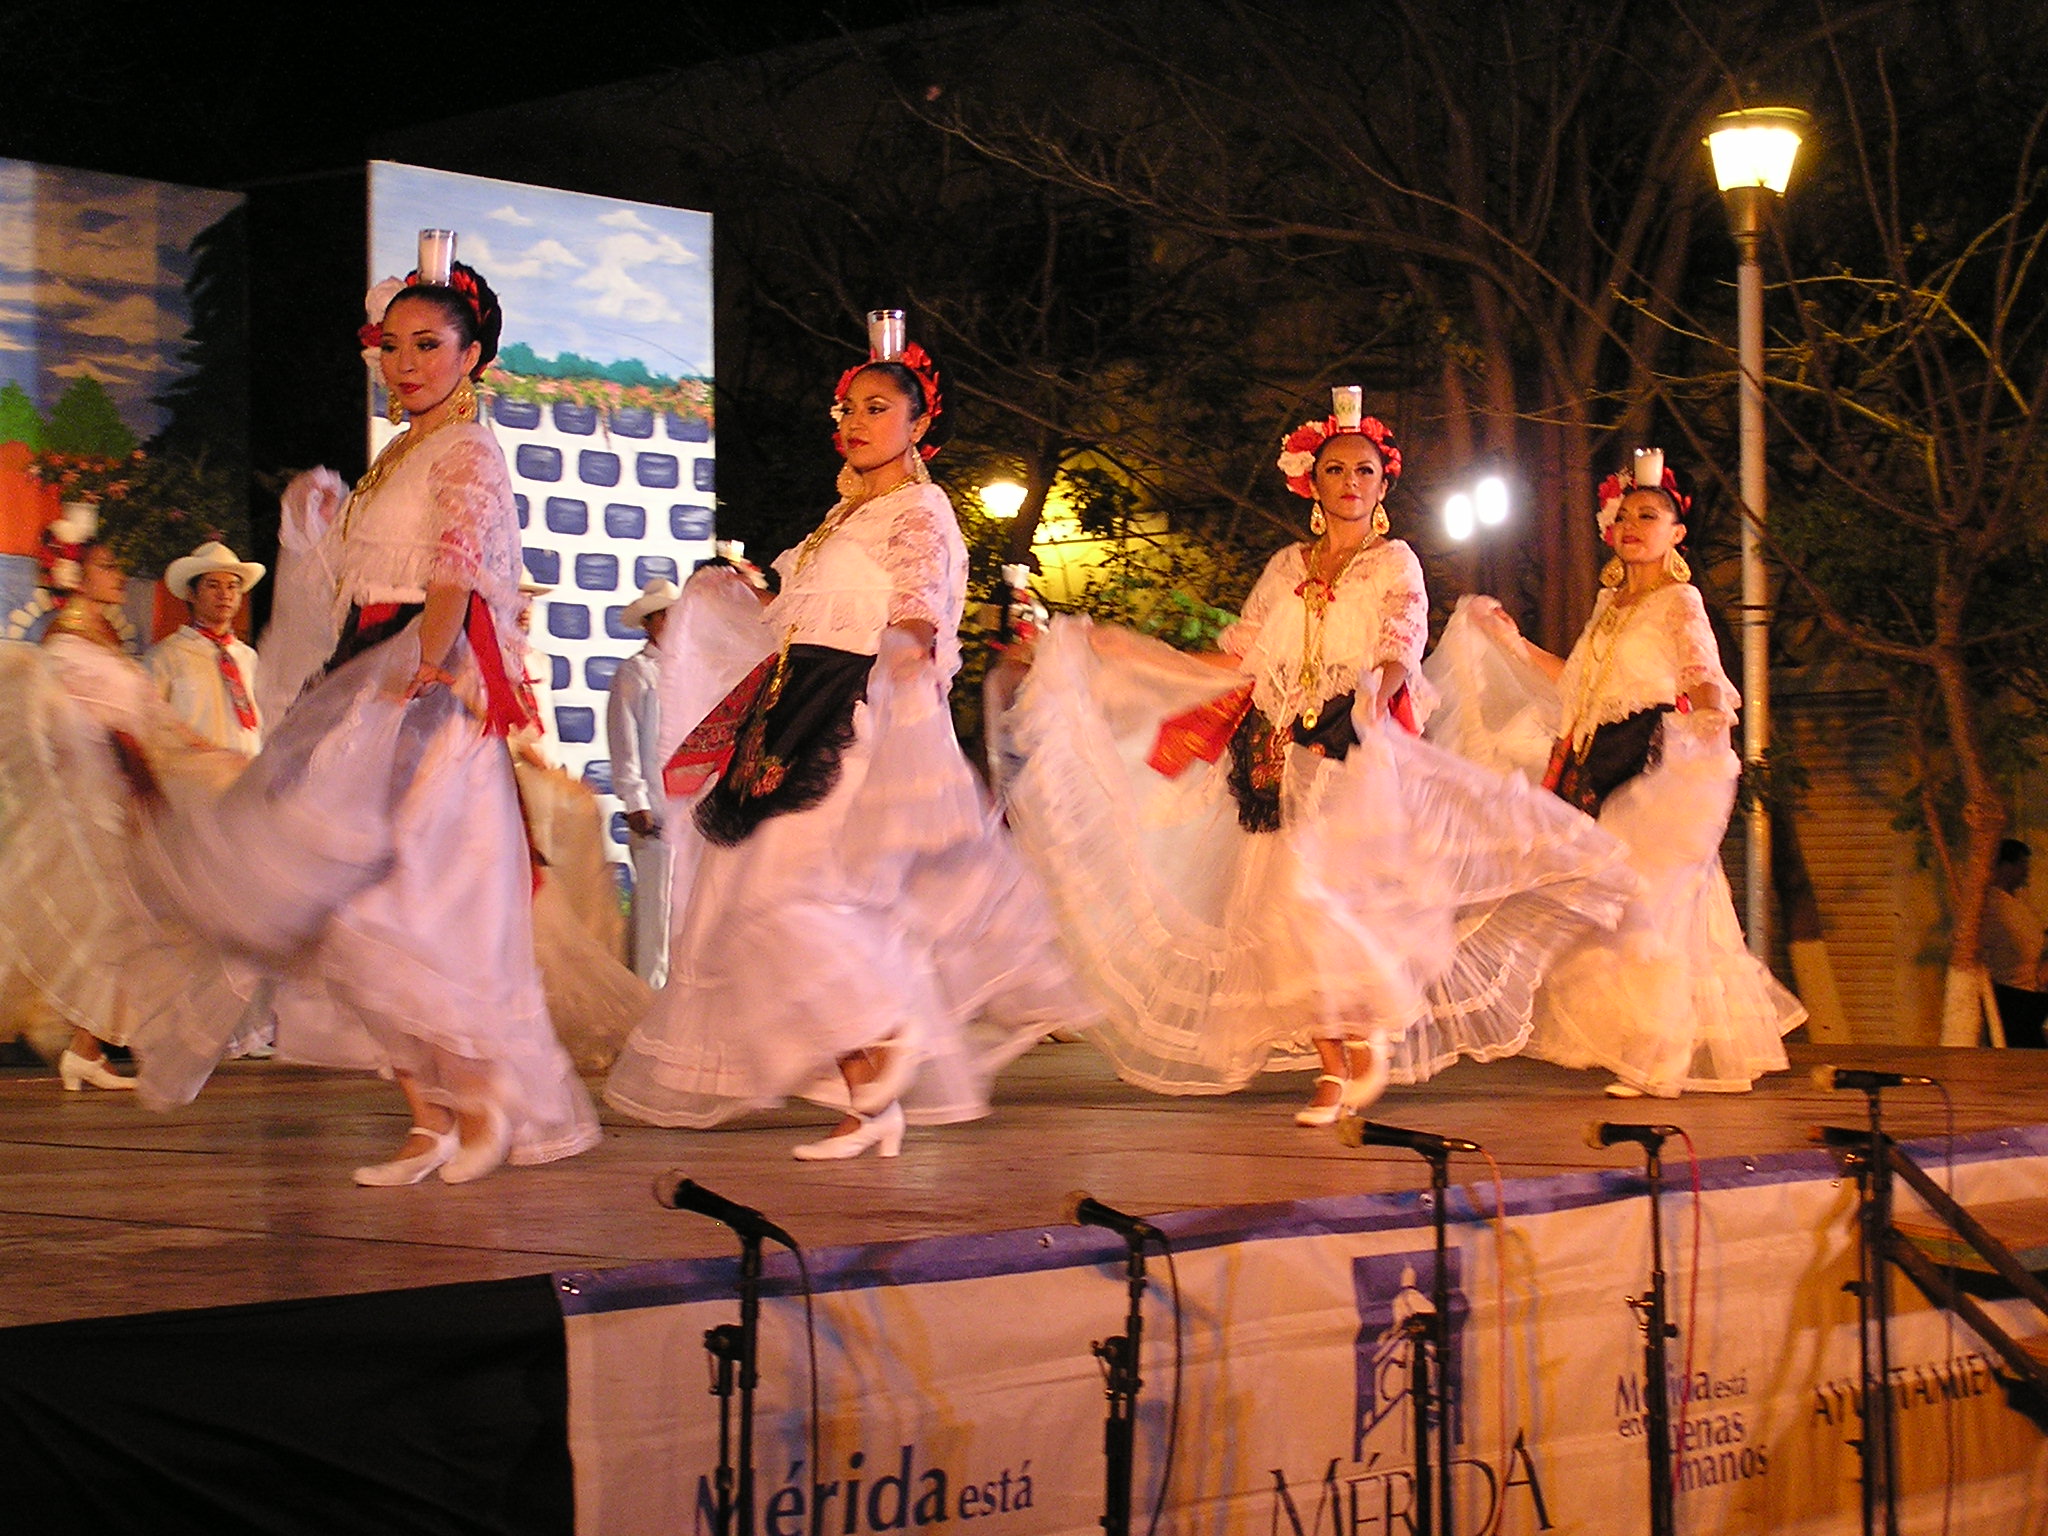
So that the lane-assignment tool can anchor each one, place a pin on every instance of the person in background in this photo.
(531, 742)
(207, 674)
(2013, 943)
(204, 671)
(632, 728)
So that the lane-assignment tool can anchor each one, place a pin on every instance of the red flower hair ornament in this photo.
(1298, 450)
(919, 362)
(1646, 473)
(379, 298)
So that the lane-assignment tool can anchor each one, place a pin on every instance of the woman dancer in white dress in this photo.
(1671, 1001)
(82, 715)
(374, 853)
(851, 924)
(1335, 893)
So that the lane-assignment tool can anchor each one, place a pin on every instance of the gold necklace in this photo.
(1316, 594)
(382, 467)
(838, 518)
(1601, 642)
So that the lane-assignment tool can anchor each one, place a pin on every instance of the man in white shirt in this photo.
(208, 677)
(632, 730)
(2013, 947)
(204, 672)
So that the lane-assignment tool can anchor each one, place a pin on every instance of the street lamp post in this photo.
(1753, 151)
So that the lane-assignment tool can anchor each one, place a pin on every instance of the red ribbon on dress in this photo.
(1200, 733)
(707, 750)
(231, 674)
(503, 711)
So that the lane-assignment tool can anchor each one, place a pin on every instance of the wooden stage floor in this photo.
(244, 1196)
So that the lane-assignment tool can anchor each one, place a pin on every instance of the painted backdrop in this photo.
(601, 397)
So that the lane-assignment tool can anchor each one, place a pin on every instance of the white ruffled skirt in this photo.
(374, 858)
(71, 919)
(1671, 1001)
(1408, 894)
(894, 910)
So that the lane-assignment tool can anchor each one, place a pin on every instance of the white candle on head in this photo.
(437, 256)
(885, 335)
(1649, 468)
(1347, 404)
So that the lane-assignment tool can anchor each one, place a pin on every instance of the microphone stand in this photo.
(1653, 1313)
(1879, 1444)
(1121, 1384)
(1429, 1377)
(732, 1348)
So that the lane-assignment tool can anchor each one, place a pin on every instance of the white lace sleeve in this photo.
(1699, 655)
(1404, 612)
(468, 486)
(914, 555)
(1275, 580)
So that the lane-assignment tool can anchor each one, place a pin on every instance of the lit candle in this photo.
(437, 256)
(885, 335)
(1347, 404)
(1649, 468)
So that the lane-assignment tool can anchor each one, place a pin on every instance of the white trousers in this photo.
(653, 867)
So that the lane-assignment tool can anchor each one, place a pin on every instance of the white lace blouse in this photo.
(443, 516)
(1379, 615)
(896, 559)
(1642, 657)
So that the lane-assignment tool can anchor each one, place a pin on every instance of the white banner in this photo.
(957, 1386)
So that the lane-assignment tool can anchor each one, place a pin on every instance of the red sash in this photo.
(1201, 733)
(231, 675)
(706, 750)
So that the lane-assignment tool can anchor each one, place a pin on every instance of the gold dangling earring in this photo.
(465, 406)
(849, 482)
(1316, 521)
(1380, 521)
(919, 475)
(1613, 573)
(393, 411)
(1675, 566)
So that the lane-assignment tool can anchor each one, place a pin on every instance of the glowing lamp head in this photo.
(1755, 147)
(1490, 501)
(1460, 516)
(1001, 498)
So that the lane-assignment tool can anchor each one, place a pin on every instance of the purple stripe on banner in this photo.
(924, 1261)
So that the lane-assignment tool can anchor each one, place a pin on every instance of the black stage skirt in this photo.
(786, 756)
(1614, 754)
(1258, 756)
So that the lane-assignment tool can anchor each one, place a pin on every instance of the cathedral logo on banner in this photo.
(1393, 1305)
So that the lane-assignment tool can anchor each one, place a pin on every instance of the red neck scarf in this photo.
(231, 676)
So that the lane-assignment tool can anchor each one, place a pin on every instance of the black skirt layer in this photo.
(789, 745)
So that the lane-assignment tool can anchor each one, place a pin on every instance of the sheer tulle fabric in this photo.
(72, 920)
(1407, 894)
(373, 855)
(892, 911)
(1671, 1001)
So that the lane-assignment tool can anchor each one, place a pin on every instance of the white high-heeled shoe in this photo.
(891, 1077)
(1322, 1114)
(883, 1132)
(410, 1170)
(487, 1151)
(1362, 1091)
(76, 1071)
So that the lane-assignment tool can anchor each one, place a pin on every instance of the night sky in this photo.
(229, 96)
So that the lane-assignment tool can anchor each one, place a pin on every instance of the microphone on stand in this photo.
(1605, 1133)
(1084, 1210)
(1370, 1133)
(680, 1194)
(1865, 1079)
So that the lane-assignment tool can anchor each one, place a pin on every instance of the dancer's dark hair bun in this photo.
(469, 304)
